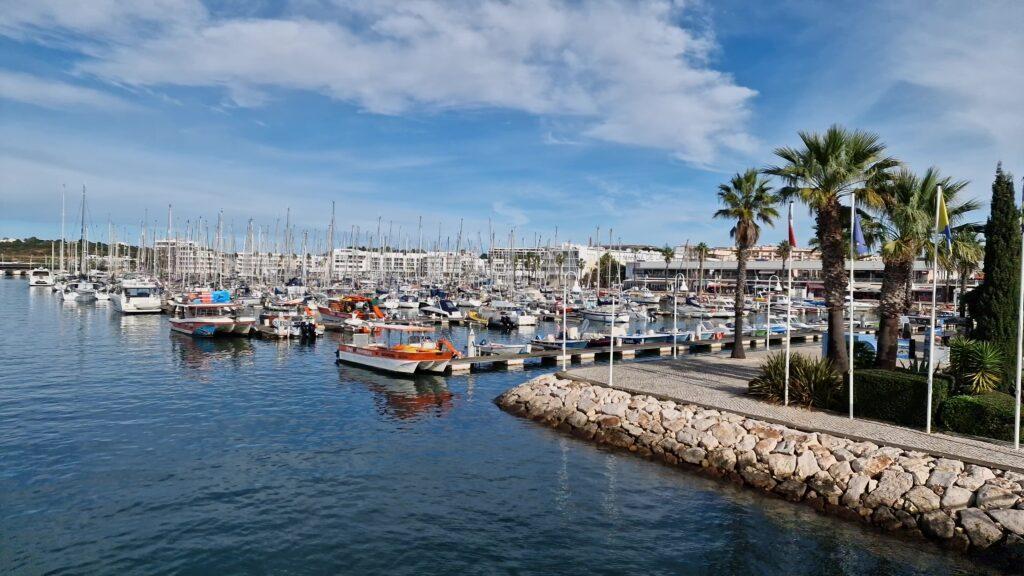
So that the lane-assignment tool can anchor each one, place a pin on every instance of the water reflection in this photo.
(402, 398)
(204, 355)
(136, 325)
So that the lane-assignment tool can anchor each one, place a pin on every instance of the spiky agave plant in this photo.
(985, 367)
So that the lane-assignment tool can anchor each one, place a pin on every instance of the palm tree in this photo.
(829, 166)
(748, 200)
(667, 253)
(782, 251)
(702, 254)
(907, 218)
(964, 258)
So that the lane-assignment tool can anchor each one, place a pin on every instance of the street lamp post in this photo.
(675, 315)
(768, 316)
(565, 313)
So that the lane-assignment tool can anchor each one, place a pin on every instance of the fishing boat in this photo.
(208, 319)
(40, 277)
(415, 352)
(339, 312)
(136, 296)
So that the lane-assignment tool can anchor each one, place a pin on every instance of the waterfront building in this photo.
(720, 276)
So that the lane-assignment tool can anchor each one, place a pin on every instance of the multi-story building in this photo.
(546, 264)
(404, 265)
(764, 252)
(720, 275)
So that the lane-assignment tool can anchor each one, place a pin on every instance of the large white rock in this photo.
(854, 490)
(806, 465)
(956, 498)
(982, 531)
(781, 465)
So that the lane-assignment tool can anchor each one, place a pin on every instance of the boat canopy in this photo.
(401, 327)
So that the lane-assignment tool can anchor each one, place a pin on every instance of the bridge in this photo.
(16, 268)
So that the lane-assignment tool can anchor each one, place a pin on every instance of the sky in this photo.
(536, 115)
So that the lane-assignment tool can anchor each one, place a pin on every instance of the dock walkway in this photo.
(719, 382)
(626, 351)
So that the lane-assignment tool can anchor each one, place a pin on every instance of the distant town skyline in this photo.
(615, 114)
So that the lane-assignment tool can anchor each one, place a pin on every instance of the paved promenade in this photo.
(716, 381)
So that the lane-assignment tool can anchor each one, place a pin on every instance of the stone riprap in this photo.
(962, 506)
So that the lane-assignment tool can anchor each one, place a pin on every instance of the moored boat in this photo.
(414, 353)
(208, 319)
(134, 296)
(40, 277)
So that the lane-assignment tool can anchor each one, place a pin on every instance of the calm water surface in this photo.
(126, 449)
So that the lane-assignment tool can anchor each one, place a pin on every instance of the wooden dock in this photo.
(625, 352)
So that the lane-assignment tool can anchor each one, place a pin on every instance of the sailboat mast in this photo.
(85, 247)
(62, 235)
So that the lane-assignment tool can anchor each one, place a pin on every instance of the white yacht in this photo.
(40, 277)
(136, 297)
(604, 314)
(79, 291)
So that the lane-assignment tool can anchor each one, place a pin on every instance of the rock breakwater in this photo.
(962, 506)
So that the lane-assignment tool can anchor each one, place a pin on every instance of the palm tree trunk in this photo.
(892, 304)
(833, 267)
(741, 285)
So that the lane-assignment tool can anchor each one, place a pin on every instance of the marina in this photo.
(511, 287)
(136, 421)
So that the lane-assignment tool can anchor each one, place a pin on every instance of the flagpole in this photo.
(853, 215)
(931, 321)
(789, 300)
(1020, 342)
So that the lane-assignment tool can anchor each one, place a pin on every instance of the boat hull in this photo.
(136, 305)
(396, 362)
(212, 327)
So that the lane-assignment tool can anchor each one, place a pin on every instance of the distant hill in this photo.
(38, 249)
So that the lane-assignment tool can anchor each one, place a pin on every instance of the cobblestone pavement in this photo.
(719, 382)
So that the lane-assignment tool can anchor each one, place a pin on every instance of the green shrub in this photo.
(812, 381)
(863, 355)
(896, 396)
(989, 415)
(977, 366)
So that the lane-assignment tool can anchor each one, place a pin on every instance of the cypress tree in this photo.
(993, 304)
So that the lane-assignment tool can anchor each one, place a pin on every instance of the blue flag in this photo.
(858, 238)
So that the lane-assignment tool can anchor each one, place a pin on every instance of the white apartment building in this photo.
(546, 265)
(405, 265)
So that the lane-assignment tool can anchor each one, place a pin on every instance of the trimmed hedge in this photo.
(896, 396)
(989, 415)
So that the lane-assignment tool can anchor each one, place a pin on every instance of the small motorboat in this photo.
(415, 352)
(486, 348)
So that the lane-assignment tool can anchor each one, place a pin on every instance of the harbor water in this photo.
(127, 449)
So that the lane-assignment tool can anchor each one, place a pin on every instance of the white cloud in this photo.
(54, 94)
(628, 71)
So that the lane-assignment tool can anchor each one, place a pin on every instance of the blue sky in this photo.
(532, 114)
